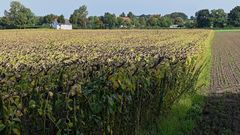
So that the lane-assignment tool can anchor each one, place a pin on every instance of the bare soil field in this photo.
(221, 114)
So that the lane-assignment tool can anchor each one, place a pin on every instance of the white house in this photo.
(174, 26)
(66, 26)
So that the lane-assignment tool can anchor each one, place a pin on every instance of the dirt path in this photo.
(221, 114)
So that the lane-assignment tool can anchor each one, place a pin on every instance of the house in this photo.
(174, 27)
(126, 22)
(126, 19)
(66, 26)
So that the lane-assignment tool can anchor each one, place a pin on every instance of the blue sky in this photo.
(99, 7)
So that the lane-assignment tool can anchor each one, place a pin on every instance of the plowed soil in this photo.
(221, 114)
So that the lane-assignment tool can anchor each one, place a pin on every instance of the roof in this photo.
(126, 18)
(55, 22)
(67, 22)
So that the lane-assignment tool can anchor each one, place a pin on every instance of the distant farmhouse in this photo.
(127, 22)
(175, 26)
(66, 26)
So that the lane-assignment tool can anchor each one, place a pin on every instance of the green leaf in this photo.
(59, 132)
(16, 131)
(70, 124)
(2, 127)
(32, 104)
(16, 119)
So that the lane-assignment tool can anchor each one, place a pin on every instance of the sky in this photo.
(138, 7)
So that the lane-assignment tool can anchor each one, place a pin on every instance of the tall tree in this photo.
(19, 15)
(123, 22)
(175, 15)
(79, 16)
(130, 15)
(190, 23)
(218, 18)
(94, 22)
(142, 22)
(109, 20)
(61, 19)
(203, 18)
(4, 22)
(48, 19)
(98, 23)
(39, 20)
(234, 16)
(179, 21)
(153, 21)
(165, 21)
(122, 14)
(135, 22)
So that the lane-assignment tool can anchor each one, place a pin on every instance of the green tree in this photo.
(179, 21)
(90, 22)
(218, 18)
(190, 23)
(39, 20)
(98, 23)
(175, 15)
(142, 22)
(130, 15)
(20, 16)
(61, 19)
(94, 22)
(234, 16)
(122, 14)
(48, 19)
(135, 22)
(153, 21)
(4, 22)
(203, 18)
(79, 17)
(165, 21)
(1, 25)
(109, 20)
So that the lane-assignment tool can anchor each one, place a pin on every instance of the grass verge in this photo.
(184, 114)
(228, 30)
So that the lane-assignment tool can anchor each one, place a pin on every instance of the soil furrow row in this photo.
(221, 113)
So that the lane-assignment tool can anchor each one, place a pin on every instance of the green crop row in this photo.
(95, 97)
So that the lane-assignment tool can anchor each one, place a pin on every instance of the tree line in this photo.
(19, 16)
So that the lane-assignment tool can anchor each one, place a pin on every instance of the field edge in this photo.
(187, 111)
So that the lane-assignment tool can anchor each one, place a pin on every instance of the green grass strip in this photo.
(228, 30)
(184, 114)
